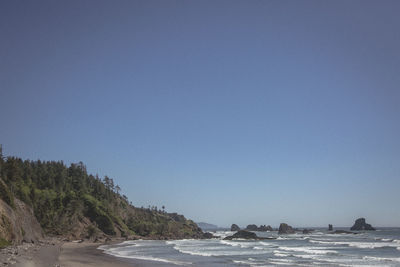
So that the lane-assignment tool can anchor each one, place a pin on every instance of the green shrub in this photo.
(91, 231)
(24, 193)
(96, 213)
(4, 243)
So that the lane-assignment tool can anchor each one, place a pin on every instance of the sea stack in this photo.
(361, 225)
(252, 227)
(234, 227)
(285, 229)
(330, 227)
(242, 234)
(264, 228)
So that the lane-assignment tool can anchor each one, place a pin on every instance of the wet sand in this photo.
(87, 255)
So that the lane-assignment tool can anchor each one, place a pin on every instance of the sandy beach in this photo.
(87, 254)
(55, 253)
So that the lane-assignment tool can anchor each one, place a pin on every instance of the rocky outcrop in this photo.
(18, 224)
(235, 227)
(262, 228)
(330, 227)
(285, 229)
(307, 231)
(252, 227)
(242, 234)
(361, 225)
(343, 232)
(208, 235)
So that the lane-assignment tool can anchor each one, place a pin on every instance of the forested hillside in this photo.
(68, 201)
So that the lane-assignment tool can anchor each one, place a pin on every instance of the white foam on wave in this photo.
(217, 252)
(266, 244)
(280, 253)
(325, 242)
(131, 242)
(283, 260)
(356, 265)
(249, 244)
(318, 233)
(183, 241)
(310, 250)
(103, 247)
(242, 262)
(381, 259)
(223, 234)
(292, 237)
(124, 254)
(237, 244)
(286, 262)
(216, 247)
(384, 239)
(356, 244)
(350, 261)
(307, 256)
(337, 261)
(250, 261)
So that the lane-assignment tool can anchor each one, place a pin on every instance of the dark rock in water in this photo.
(234, 227)
(307, 231)
(330, 227)
(242, 234)
(252, 227)
(285, 229)
(264, 228)
(360, 225)
(343, 232)
(208, 235)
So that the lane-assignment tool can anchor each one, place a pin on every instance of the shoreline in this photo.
(87, 254)
(56, 253)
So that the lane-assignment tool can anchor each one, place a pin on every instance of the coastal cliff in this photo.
(18, 224)
(38, 198)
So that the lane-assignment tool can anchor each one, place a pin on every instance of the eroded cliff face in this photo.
(18, 224)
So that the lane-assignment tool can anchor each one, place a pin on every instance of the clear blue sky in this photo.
(226, 111)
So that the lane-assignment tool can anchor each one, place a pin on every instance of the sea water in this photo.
(320, 248)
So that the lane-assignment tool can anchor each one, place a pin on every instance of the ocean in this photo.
(320, 248)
